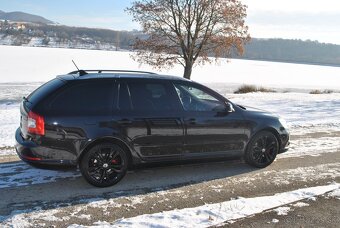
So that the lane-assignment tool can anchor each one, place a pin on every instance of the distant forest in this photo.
(282, 50)
(297, 51)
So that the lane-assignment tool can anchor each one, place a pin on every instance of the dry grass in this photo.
(316, 91)
(253, 89)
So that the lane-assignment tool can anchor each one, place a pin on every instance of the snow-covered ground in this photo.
(306, 114)
(202, 216)
(215, 214)
(41, 64)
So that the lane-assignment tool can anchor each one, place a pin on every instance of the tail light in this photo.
(35, 124)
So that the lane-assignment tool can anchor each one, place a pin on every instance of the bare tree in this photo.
(117, 40)
(188, 31)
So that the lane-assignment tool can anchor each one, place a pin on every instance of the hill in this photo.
(33, 30)
(23, 17)
(296, 51)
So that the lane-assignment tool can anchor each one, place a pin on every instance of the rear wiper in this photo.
(26, 100)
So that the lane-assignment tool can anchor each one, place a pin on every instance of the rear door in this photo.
(78, 112)
(149, 118)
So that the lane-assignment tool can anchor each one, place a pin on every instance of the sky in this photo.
(292, 19)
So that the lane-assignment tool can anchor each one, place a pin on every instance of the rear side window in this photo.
(84, 98)
(148, 96)
(44, 90)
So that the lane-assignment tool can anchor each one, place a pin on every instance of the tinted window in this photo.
(154, 96)
(44, 90)
(124, 102)
(84, 97)
(197, 99)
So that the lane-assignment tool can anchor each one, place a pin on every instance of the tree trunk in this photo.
(187, 70)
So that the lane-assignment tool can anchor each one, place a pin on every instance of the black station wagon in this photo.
(106, 121)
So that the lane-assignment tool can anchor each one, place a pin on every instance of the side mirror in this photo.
(229, 107)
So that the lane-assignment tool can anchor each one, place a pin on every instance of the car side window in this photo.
(197, 100)
(124, 101)
(88, 97)
(151, 96)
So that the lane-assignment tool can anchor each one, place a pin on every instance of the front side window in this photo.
(197, 100)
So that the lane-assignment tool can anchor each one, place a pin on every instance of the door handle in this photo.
(191, 121)
(124, 121)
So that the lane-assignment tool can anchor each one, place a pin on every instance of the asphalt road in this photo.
(153, 189)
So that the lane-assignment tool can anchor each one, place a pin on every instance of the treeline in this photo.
(23, 32)
(297, 51)
(282, 50)
(123, 39)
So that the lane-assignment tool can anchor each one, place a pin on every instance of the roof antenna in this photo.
(81, 72)
(75, 65)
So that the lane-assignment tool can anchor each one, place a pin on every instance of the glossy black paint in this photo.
(146, 135)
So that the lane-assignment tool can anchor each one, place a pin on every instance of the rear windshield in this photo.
(44, 90)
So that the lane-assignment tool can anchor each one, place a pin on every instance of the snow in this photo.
(298, 109)
(275, 221)
(9, 122)
(42, 64)
(301, 204)
(312, 147)
(282, 210)
(215, 214)
(21, 174)
(335, 193)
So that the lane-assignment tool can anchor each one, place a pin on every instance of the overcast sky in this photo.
(296, 19)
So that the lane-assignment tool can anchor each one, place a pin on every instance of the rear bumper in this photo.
(26, 150)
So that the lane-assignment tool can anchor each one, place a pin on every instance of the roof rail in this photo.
(84, 72)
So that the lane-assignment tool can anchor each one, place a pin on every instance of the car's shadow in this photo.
(24, 188)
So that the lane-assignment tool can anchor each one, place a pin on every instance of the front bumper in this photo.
(284, 142)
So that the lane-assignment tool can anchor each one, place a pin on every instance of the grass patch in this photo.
(326, 91)
(253, 89)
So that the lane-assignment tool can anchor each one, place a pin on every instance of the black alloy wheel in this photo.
(104, 165)
(262, 149)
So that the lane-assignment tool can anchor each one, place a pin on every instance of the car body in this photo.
(146, 117)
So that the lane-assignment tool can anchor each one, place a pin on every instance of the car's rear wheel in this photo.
(104, 164)
(262, 149)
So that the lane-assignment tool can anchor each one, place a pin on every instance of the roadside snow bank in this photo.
(214, 214)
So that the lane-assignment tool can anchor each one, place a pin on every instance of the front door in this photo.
(210, 130)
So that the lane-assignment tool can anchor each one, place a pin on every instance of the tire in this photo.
(104, 165)
(262, 149)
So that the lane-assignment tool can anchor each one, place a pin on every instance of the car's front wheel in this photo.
(104, 164)
(262, 149)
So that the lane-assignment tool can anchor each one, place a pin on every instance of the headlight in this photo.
(283, 123)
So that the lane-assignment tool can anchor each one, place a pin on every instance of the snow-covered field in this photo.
(27, 64)
(22, 69)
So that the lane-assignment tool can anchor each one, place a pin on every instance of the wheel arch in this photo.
(113, 140)
(270, 129)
